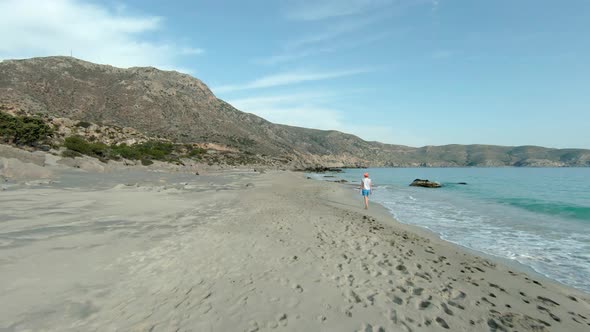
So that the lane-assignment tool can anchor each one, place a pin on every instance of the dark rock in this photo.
(341, 181)
(320, 169)
(317, 169)
(425, 183)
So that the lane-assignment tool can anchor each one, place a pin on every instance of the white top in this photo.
(366, 183)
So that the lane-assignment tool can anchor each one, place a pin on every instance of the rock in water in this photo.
(425, 183)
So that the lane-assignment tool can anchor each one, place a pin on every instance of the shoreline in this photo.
(428, 233)
(441, 232)
(245, 251)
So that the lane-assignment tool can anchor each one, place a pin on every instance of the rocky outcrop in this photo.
(15, 169)
(33, 157)
(93, 132)
(425, 184)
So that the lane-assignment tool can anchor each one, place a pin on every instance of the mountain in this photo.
(182, 108)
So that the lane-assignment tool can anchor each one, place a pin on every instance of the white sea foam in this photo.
(476, 216)
(499, 231)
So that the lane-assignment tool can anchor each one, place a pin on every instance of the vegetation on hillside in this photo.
(23, 130)
(149, 151)
(146, 152)
(34, 132)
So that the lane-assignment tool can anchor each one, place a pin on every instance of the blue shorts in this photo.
(366, 192)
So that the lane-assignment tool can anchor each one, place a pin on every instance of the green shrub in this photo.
(146, 162)
(99, 149)
(146, 152)
(83, 124)
(80, 145)
(125, 151)
(196, 152)
(23, 130)
(155, 150)
(70, 154)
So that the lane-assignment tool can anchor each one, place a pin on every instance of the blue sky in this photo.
(412, 72)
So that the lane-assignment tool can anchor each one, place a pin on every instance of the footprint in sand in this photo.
(297, 288)
(397, 300)
(424, 305)
(352, 297)
(533, 281)
(525, 298)
(547, 301)
(484, 299)
(402, 289)
(282, 319)
(457, 295)
(424, 275)
(456, 305)
(253, 327)
(553, 316)
(446, 309)
(401, 268)
(442, 323)
(370, 328)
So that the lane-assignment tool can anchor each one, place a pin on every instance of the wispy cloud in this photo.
(341, 33)
(313, 10)
(305, 109)
(270, 101)
(288, 78)
(336, 46)
(442, 54)
(191, 51)
(92, 31)
(334, 31)
(312, 110)
(435, 4)
(327, 40)
(290, 56)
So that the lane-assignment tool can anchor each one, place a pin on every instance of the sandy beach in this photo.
(250, 251)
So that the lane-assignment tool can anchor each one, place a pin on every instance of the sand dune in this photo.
(250, 252)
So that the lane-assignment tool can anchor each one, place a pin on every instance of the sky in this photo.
(410, 72)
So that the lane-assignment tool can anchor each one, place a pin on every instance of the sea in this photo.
(539, 217)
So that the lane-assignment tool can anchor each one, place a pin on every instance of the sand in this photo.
(244, 251)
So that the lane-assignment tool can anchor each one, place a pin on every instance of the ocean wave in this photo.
(550, 208)
(542, 240)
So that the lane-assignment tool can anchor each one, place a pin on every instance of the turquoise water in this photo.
(539, 217)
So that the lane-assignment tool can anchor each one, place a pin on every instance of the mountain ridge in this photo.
(182, 108)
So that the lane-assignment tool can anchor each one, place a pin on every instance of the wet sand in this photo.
(243, 251)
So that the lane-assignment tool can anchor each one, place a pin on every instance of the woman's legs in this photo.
(366, 202)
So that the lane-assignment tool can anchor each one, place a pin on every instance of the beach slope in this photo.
(250, 252)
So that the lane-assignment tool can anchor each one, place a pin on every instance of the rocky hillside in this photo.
(181, 108)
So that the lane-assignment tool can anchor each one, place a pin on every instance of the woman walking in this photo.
(366, 189)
